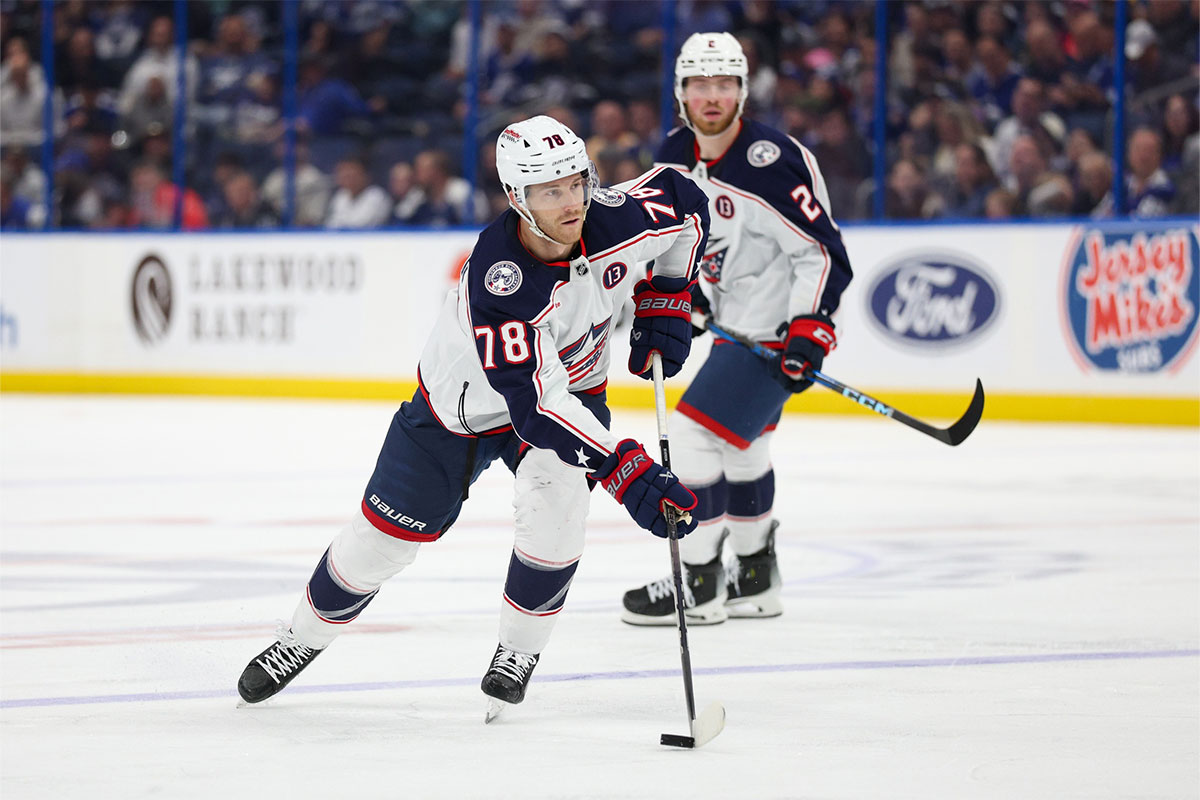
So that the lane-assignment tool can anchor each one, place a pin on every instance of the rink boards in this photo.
(1061, 322)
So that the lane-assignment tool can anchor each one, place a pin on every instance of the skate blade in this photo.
(494, 707)
(704, 729)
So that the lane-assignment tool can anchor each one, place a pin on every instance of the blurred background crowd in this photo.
(367, 113)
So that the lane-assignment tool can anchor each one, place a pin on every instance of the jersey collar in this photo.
(713, 162)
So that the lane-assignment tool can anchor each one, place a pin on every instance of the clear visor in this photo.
(571, 191)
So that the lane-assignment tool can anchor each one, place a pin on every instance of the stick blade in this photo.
(960, 430)
(704, 729)
(710, 723)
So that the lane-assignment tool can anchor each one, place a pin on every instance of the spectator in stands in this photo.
(77, 63)
(402, 186)
(1045, 58)
(1000, 204)
(312, 188)
(160, 60)
(907, 194)
(958, 59)
(118, 33)
(15, 211)
(994, 80)
(151, 109)
(28, 180)
(243, 206)
(326, 103)
(154, 198)
(1027, 168)
(357, 203)
(1087, 86)
(610, 130)
(1180, 124)
(22, 96)
(1029, 115)
(89, 110)
(1150, 69)
(445, 198)
(225, 68)
(974, 180)
(1149, 191)
(844, 160)
(644, 123)
(762, 75)
(955, 125)
(1093, 190)
(258, 112)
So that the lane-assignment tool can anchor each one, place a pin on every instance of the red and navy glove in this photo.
(808, 339)
(645, 489)
(662, 321)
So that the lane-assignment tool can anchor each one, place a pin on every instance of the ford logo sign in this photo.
(935, 299)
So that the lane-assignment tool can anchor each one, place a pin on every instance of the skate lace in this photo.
(285, 657)
(733, 577)
(665, 587)
(513, 664)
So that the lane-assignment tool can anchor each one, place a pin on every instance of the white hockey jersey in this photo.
(518, 337)
(774, 251)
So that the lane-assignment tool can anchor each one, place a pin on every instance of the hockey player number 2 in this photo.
(512, 339)
(803, 195)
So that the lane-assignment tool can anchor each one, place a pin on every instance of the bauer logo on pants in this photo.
(1129, 299)
(933, 299)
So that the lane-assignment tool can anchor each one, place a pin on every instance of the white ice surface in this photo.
(1013, 618)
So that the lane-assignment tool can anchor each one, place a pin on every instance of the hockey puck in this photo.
(674, 740)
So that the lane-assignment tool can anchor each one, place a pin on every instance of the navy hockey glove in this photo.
(662, 321)
(809, 338)
(644, 487)
(701, 311)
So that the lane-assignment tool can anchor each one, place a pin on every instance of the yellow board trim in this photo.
(926, 405)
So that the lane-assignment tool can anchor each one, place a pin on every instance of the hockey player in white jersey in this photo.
(516, 369)
(774, 271)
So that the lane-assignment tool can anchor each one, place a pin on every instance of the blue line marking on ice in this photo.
(747, 669)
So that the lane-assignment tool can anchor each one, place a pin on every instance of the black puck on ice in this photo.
(674, 740)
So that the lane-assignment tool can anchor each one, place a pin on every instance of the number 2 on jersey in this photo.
(513, 344)
(803, 195)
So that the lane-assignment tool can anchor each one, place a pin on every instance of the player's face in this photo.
(557, 207)
(711, 102)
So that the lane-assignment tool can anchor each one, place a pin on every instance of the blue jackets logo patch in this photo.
(935, 299)
(503, 277)
(1130, 299)
(608, 197)
(763, 153)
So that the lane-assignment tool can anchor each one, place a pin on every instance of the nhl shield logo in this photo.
(763, 153)
(503, 277)
(608, 197)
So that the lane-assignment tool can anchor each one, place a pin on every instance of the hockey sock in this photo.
(703, 544)
(534, 593)
(749, 518)
(332, 598)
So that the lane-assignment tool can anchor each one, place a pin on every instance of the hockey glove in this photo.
(644, 488)
(662, 321)
(807, 340)
(701, 311)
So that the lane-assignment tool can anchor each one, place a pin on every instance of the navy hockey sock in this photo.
(331, 599)
(712, 501)
(536, 587)
(753, 499)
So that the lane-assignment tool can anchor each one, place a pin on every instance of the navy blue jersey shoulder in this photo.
(770, 165)
(664, 201)
(504, 281)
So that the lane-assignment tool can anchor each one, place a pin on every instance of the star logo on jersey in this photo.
(503, 277)
(583, 459)
(714, 259)
(763, 153)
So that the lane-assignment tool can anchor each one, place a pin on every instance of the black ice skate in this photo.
(274, 668)
(703, 598)
(753, 584)
(507, 679)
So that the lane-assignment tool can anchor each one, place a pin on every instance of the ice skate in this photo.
(753, 586)
(703, 598)
(507, 679)
(274, 668)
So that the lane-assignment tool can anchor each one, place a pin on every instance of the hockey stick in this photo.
(952, 436)
(712, 720)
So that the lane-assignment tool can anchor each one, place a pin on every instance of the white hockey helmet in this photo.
(538, 150)
(710, 55)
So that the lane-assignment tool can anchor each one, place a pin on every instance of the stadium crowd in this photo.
(994, 109)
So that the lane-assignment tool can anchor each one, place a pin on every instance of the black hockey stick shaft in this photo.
(685, 656)
(952, 435)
